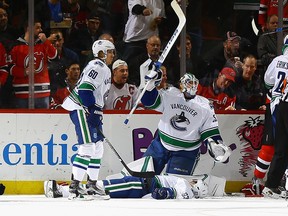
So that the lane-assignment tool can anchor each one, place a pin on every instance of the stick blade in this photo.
(126, 121)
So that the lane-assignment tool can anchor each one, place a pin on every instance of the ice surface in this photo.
(233, 206)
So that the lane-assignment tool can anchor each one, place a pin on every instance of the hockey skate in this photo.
(76, 192)
(256, 185)
(253, 189)
(96, 190)
(274, 193)
(51, 189)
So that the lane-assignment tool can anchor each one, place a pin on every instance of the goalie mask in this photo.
(104, 46)
(199, 188)
(189, 84)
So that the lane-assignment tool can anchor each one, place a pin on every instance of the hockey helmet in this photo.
(285, 45)
(199, 188)
(102, 45)
(189, 84)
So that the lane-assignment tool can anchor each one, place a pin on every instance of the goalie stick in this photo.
(182, 20)
(147, 174)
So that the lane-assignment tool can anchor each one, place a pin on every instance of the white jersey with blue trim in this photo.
(95, 77)
(182, 186)
(274, 78)
(184, 123)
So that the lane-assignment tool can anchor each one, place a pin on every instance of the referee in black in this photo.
(279, 162)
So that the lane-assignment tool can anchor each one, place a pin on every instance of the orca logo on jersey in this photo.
(179, 122)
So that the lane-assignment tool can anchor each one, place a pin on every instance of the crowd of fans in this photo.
(230, 75)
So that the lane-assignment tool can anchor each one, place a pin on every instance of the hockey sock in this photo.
(263, 161)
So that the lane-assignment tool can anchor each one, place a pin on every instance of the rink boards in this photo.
(36, 146)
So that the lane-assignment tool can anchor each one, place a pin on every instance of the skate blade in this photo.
(100, 197)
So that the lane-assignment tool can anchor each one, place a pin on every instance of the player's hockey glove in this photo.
(95, 116)
(153, 78)
(164, 193)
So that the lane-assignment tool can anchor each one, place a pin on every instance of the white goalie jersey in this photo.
(184, 123)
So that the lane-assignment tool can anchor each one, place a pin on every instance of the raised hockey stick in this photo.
(182, 20)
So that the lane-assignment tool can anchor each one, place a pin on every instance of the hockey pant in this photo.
(126, 187)
(178, 162)
(280, 158)
(90, 151)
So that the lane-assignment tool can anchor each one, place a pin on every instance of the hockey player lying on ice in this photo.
(123, 185)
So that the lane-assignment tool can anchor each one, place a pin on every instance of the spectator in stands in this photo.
(218, 90)
(3, 65)
(267, 42)
(143, 20)
(65, 86)
(43, 50)
(250, 89)
(194, 64)
(140, 64)
(122, 95)
(7, 32)
(268, 8)
(225, 54)
(61, 9)
(81, 40)
(118, 15)
(3, 75)
(55, 10)
(8, 35)
(57, 66)
(107, 36)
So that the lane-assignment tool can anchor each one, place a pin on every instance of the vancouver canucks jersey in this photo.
(96, 77)
(180, 185)
(184, 123)
(275, 77)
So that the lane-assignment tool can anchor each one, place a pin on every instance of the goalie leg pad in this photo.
(159, 154)
(183, 162)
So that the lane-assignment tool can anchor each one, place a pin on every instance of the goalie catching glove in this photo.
(153, 79)
(219, 151)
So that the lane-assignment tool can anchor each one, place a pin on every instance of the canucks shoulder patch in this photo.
(101, 64)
